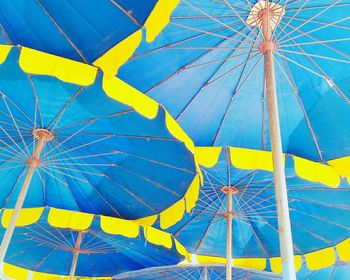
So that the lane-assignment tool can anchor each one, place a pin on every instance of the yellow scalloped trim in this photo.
(316, 172)
(342, 165)
(126, 94)
(147, 222)
(158, 237)
(182, 250)
(320, 259)
(40, 63)
(119, 226)
(159, 18)
(4, 51)
(69, 219)
(201, 259)
(254, 263)
(207, 156)
(15, 272)
(251, 159)
(176, 130)
(119, 54)
(192, 194)
(46, 276)
(172, 215)
(27, 216)
(276, 263)
(343, 249)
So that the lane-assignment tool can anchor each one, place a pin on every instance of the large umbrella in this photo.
(195, 272)
(76, 148)
(104, 32)
(236, 213)
(67, 243)
(225, 61)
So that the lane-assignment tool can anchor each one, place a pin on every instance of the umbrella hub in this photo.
(268, 46)
(43, 133)
(230, 190)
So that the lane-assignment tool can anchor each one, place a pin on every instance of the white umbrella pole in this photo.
(76, 255)
(42, 135)
(229, 192)
(205, 273)
(284, 227)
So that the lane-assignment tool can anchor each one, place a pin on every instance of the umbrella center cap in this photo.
(230, 190)
(43, 133)
(268, 46)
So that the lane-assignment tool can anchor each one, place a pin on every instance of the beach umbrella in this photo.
(102, 32)
(195, 272)
(67, 243)
(236, 213)
(69, 141)
(225, 68)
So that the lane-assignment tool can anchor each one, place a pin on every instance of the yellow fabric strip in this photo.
(158, 237)
(316, 172)
(343, 249)
(15, 272)
(320, 259)
(210, 260)
(69, 219)
(27, 216)
(126, 94)
(276, 264)
(4, 51)
(119, 226)
(207, 156)
(192, 194)
(46, 276)
(255, 263)
(181, 249)
(342, 165)
(36, 62)
(159, 18)
(147, 222)
(251, 159)
(172, 215)
(119, 54)
(176, 130)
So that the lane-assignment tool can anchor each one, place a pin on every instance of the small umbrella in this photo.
(237, 71)
(236, 211)
(70, 243)
(81, 30)
(196, 272)
(79, 149)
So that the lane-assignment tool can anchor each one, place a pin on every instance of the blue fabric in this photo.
(339, 271)
(209, 74)
(105, 158)
(43, 248)
(211, 272)
(320, 215)
(76, 29)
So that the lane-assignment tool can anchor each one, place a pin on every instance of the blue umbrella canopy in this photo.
(318, 203)
(196, 272)
(113, 154)
(46, 243)
(213, 80)
(83, 31)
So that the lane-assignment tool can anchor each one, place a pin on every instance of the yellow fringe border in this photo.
(329, 175)
(120, 53)
(82, 221)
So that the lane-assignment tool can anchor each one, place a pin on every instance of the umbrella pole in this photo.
(284, 227)
(76, 255)
(229, 192)
(205, 273)
(42, 135)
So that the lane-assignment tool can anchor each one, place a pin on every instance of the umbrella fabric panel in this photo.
(105, 157)
(195, 272)
(72, 29)
(254, 227)
(209, 48)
